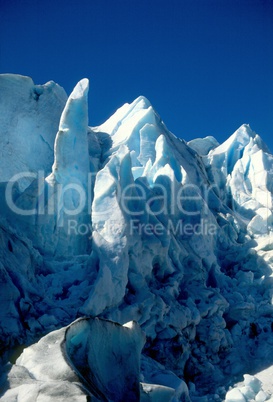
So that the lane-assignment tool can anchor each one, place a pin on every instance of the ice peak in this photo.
(244, 132)
(75, 111)
(238, 140)
(81, 89)
(246, 127)
(124, 113)
(254, 140)
(142, 102)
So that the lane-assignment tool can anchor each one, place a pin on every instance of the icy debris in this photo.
(235, 395)
(261, 223)
(252, 390)
(156, 393)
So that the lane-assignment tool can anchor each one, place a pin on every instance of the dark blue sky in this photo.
(206, 65)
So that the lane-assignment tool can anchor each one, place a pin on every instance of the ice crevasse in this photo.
(136, 264)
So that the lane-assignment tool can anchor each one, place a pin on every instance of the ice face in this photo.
(132, 224)
(29, 119)
(94, 347)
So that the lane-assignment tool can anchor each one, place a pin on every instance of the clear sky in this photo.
(206, 65)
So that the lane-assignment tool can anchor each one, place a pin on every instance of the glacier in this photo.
(134, 266)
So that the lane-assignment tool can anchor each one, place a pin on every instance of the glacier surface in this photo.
(133, 266)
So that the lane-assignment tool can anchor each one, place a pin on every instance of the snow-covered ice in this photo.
(133, 265)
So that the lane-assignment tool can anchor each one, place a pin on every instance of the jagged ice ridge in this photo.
(133, 265)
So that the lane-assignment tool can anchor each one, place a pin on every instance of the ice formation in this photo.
(133, 266)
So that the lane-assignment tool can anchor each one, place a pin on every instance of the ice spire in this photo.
(71, 144)
(67, 191)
